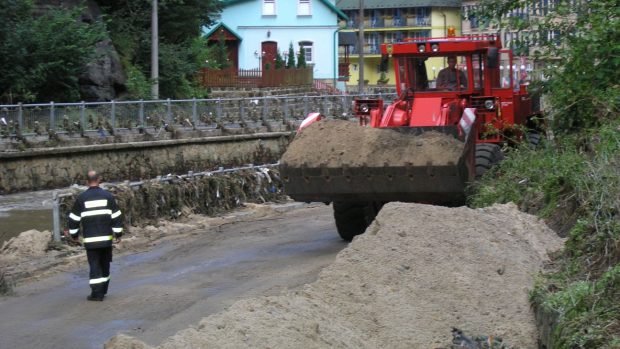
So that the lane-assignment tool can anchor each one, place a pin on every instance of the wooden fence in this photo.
(231, 77)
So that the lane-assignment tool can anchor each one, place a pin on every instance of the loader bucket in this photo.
(336, 160)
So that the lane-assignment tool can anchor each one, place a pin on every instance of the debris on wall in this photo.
(176, 196)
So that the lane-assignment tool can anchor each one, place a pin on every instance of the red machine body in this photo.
(445, 130)
(499, 102)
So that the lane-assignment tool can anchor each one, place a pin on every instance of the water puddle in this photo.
(24, 211)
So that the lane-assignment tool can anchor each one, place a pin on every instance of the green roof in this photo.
(378, 4)
(326, 2)
(217, 26)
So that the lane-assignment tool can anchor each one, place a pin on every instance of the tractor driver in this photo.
(450, 78)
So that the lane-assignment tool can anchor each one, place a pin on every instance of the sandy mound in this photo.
(417, 272)
(31, 243)
(333, 142)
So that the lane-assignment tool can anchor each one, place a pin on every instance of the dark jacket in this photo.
(100, 218)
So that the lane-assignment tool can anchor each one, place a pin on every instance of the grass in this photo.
(574, 183)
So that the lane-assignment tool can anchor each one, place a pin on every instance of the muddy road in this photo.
(176, 282)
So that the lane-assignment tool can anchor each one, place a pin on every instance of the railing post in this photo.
(20, 116)
(113, 115)
(168, 111)
(52, 117)
(56, 216)
(194, 112)
(325, 106)
(286, 111)
(266, 107)
(218, 110)
(141, 113)
(83, 115)
(305, 106)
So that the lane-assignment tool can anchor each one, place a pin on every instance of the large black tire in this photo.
(352, 218)
(487, 155)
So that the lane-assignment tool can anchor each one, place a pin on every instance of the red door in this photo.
(269, 50)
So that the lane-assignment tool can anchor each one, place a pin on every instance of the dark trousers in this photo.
(99, 261)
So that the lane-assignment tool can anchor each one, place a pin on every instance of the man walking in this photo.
(101, 222)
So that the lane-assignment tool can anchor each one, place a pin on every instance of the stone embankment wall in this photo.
(46, 168)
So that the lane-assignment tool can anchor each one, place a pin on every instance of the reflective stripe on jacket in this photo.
(96, 211)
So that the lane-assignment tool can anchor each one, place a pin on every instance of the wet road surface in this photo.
(156, 293)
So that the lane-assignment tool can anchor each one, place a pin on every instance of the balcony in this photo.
(418, 21)
(369, 49)
(372, 23)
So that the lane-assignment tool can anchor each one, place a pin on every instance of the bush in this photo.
(42, 57)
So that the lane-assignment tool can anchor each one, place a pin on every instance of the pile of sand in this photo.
(331, 143)
(417, 272)
(31, 243)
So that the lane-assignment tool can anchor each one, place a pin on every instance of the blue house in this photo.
(258, 29)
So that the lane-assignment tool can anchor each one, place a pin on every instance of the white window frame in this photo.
(304, 7)
(308, 44)
(269, 7)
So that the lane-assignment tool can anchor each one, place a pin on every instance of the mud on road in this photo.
(164, 278)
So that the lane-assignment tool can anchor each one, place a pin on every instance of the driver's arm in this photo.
(441, 79)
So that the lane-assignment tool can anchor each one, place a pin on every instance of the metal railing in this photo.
(108, 117)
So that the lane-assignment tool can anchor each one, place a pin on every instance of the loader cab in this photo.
(423, 64)
(440, 75)
(433, 74)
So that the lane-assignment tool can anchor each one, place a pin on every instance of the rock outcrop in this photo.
(103, 79)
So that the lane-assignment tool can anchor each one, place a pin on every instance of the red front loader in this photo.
(442, 131)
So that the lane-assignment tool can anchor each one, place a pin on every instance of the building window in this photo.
(303, 8)
(308, 49)
(269, 7)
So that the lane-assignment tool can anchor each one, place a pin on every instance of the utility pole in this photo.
(154, 52)
(361, 48)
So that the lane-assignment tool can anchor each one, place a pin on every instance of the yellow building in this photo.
(387, 21)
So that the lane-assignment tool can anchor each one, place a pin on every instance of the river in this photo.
(24, 211)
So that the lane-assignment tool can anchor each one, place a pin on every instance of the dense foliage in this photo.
(42, 57)
(43, 54)
(573, 179)
(182, 49)
(579, 42)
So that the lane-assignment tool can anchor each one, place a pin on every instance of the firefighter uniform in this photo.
(101, 221)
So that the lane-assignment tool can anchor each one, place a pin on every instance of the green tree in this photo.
(42, 57)
(182, 54)
(221, 52)
(291, 57)
(279, 62)
(301, 58)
